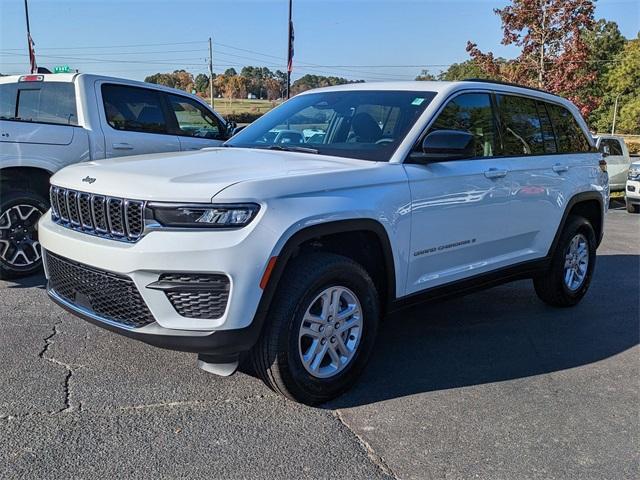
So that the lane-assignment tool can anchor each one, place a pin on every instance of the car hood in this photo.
(192, 176)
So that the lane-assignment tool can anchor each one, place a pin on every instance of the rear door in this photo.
(135, 121)
(195, 125)
(460, 209)
(548, 149)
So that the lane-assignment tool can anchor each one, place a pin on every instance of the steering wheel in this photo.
(385, 140)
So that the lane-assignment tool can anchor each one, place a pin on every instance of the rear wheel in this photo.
(20, 251)
(631, 208)
(572, 265)
(321, 329)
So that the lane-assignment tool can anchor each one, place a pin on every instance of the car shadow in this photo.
(500, 334)
(33, 281)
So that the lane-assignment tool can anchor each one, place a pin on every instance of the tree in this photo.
(425, 75)
(308, 82)
(623, 82)
(554, 54)
(230, 72)
(465, 70)
(273, 89)
(178, 79)
(202, 83)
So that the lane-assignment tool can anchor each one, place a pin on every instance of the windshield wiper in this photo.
(293, 149)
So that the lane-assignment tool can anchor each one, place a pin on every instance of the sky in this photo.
(373, 40)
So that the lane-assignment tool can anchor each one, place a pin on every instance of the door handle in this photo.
(559, 168)
(495, 173)
(122, 146)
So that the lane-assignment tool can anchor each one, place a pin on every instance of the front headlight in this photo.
(202, 215)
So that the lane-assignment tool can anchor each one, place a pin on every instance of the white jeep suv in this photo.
(290, 248)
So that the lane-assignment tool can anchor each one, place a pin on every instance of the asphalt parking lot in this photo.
(492, 385)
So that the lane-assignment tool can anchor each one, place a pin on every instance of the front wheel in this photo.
(572, 265)
(632, 208)
(321, 329)
(20, 252)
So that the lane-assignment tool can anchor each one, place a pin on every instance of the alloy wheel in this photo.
(19, 246)
(330, 332)
(576, 262)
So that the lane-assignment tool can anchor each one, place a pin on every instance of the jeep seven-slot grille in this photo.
(108, 295)
(109, 217)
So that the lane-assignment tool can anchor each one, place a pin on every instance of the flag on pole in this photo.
(32, 54)
(291, 37)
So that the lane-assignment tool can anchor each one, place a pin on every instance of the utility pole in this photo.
(615, 115)
(290, 51)
(211, 71)
(542, 40)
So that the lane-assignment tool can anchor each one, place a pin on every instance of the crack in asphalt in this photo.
(376, 459)
(48, 341)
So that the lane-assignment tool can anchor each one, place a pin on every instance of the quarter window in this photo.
(472, 113)
(193, 119)
(134, 109)
(569, 135)
(522, 130)
(548, 136)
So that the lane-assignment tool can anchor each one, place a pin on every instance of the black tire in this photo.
(276, 356)
(8, 201)
(551, 286)
(631, 208)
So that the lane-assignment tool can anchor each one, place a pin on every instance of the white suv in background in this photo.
(290, 252)
(51, 121)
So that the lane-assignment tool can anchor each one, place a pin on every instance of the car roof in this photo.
(447, 87)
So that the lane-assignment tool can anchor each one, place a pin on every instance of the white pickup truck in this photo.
(50, 121)
(618, 160)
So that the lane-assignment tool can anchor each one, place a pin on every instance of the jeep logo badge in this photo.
(88, 179)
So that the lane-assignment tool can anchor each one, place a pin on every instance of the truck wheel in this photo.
(631, 208)
(321, 329)
(569, 276)
(20, 252)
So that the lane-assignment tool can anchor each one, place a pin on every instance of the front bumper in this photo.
(220, 343)
(241, 255)
(632, 192)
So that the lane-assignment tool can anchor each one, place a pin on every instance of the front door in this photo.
(460, 209)
(196, 126)
(134, 121)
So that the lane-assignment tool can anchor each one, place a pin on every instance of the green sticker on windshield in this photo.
(417, 101)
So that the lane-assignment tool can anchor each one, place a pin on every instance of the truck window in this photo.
(470, 112)
(134, 109)
(569, 135)
(613, 144)
(42, 102)
(193, 119)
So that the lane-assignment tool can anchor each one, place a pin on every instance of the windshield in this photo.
(360, 124)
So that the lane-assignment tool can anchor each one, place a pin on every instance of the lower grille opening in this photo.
(108, 295)
(202, 296)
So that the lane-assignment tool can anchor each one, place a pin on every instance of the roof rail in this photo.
(510, 84)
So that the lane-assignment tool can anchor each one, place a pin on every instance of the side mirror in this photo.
(443, 145)
(237, 129)
(606, 150)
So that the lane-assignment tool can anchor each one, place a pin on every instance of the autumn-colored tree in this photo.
(273, 88)
(554, 54)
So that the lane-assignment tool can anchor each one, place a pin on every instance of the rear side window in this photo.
(614, 146)
(472, 113)
(569, 135)
(522, 132)
(41, 102)
(134, 109)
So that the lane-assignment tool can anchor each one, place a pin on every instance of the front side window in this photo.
(522, 132)
(363, 124)
(134, 109)
(41, 102)
(193, 119)
(472, 113)
(613, 144)
(569, 135)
